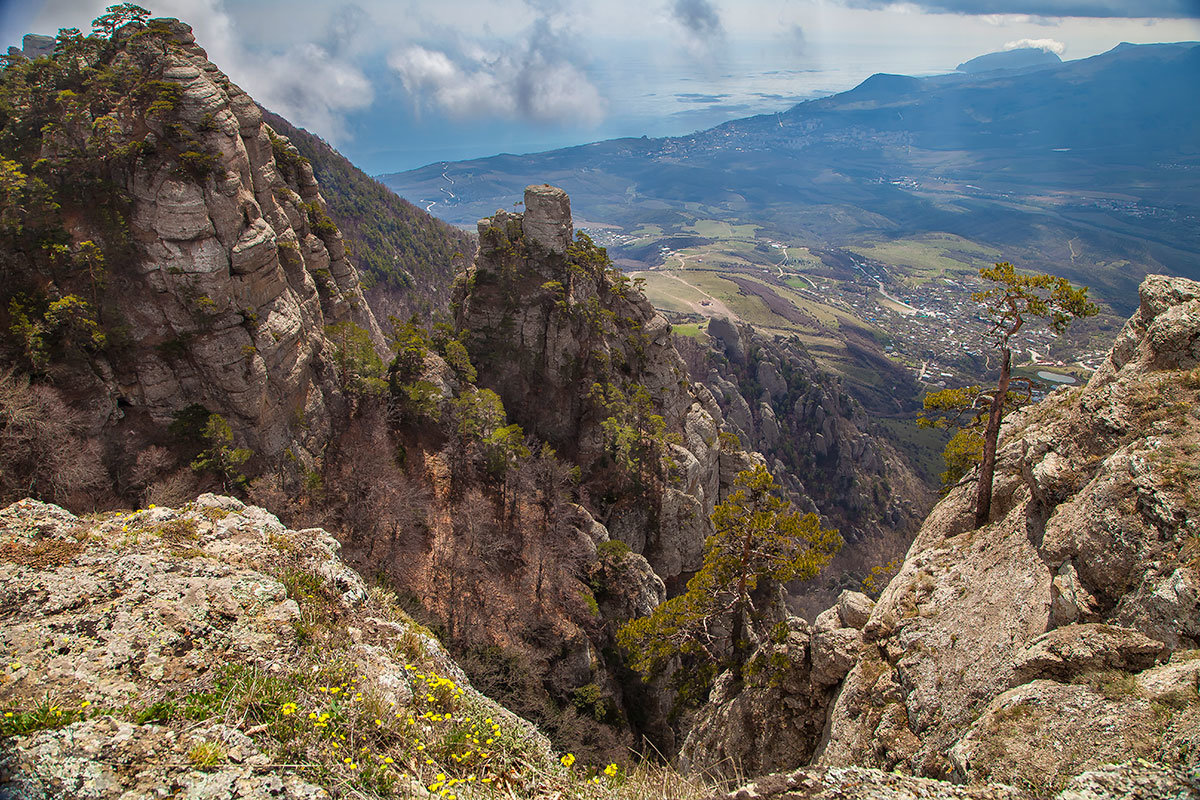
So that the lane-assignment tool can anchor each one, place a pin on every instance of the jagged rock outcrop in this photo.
(245, 240)
(1033, 649)
(230, 271)
(775, 717)
(548, 321)
(33, 45)
(204, 650)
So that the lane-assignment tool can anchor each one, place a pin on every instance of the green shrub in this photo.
(614, 548)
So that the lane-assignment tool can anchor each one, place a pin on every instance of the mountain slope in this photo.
(1084, 580)
(406, 257)
(1060, 637)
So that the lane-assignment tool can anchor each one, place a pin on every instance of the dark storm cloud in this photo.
(698, 17)
(1172, 9)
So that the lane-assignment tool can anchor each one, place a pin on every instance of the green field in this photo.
(716, 229)
(932, 256)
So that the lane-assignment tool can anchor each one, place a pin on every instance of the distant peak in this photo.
(1017, 58)
(884, 83)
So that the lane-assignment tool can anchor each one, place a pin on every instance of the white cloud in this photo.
(531, 80)
(312, 88)
(1049, 45)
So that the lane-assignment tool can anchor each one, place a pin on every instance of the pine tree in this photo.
(1013, 301)
(758, 543)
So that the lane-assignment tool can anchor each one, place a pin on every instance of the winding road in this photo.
(449, 194)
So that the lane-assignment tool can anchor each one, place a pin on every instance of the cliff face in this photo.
(245, 240)
(222, 268)
(582, 360)
(1075, 607)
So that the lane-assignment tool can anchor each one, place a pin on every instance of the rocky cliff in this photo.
(1077, 606)
(189, 239)
(1062, 636)
(582, 360)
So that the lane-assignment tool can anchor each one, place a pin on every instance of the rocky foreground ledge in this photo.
(210, 652)
(1135, 780)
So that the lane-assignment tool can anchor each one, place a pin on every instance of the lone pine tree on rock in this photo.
(758, 538)
(1013, 301)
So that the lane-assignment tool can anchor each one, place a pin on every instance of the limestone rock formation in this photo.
(1033, 649)
(201, 650)
(571, 345)
(232, 271)
(774, 719)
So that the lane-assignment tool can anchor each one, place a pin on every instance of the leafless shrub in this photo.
(43, 452)
(151, 464)
(175, 489)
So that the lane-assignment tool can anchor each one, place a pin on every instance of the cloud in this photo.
(1168, 9)
(1049, 45)
(344, 26)
(312, 87)
(311, 84)
(798, 41)
(699, 18)
(533, 79)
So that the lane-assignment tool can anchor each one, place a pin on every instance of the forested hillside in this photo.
(407, 258)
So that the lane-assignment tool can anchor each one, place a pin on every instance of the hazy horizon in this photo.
(398, 85)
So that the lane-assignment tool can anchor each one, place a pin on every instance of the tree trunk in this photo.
(737, 635)
(739, 643)
(991, 438)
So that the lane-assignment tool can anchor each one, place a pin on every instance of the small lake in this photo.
(1054, 377)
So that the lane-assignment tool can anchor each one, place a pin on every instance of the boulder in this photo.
(834, 653)
(1075, 649)
(1042, 733)
(854, 609)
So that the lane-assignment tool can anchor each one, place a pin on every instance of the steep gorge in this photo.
(829, 452)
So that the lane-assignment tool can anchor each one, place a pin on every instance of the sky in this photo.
(397, 84)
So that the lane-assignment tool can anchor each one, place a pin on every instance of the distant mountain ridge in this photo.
(1102, 152)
